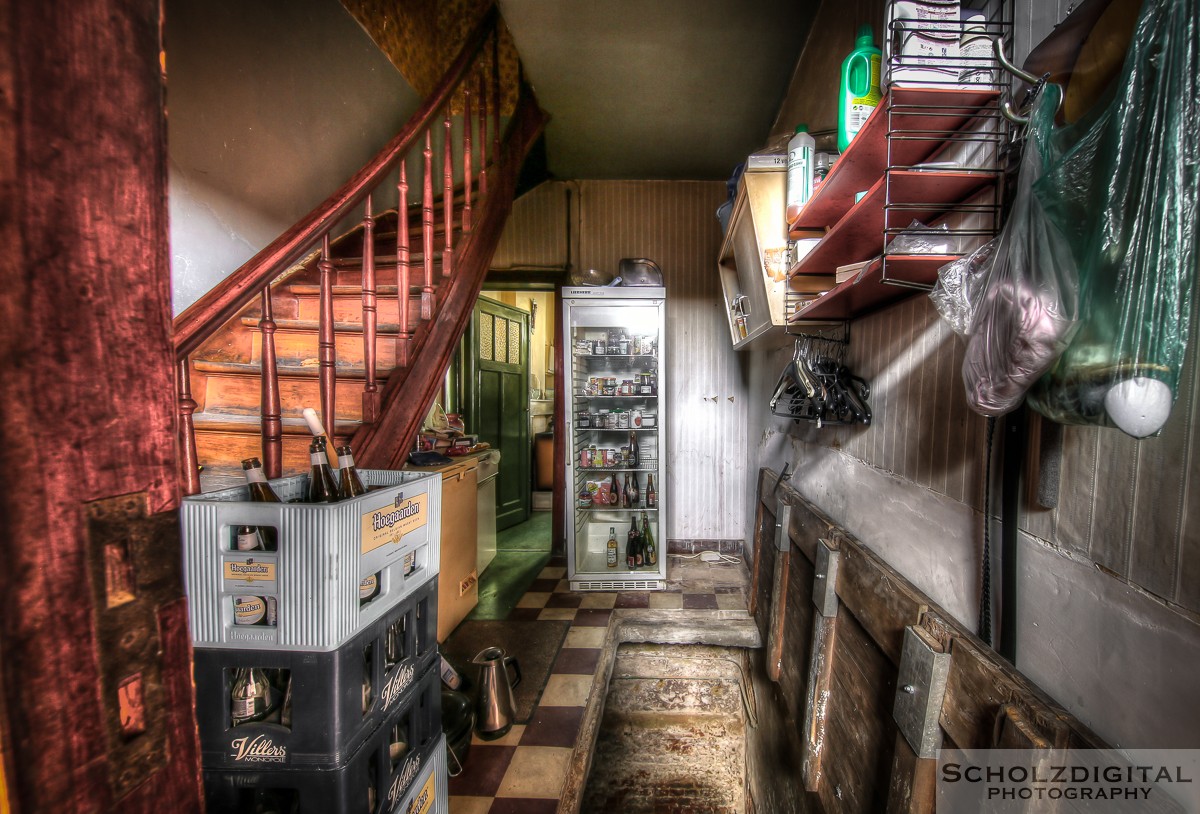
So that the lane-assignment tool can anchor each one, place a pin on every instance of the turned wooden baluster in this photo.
(370, 399)
(448, 199)
(187, 429)
(403, 266)
(427, 230)
(272, 418)
(326, 351)
(467, 125)
(483, 139)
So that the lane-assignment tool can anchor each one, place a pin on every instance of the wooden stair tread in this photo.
(285, 368)
(284, 324)
(252, 423)
(314, 290)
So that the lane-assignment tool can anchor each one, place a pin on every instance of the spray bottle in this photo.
(860, 91)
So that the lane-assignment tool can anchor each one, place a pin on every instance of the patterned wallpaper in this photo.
(422, 37)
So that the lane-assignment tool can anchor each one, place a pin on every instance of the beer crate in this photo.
(305, 594)
(334, 708)
(372, 782)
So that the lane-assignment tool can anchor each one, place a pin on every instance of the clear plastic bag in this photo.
(1127, 195)
(1020, 299)
(958, 289)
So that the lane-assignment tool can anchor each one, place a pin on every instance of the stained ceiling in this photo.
(657, 89)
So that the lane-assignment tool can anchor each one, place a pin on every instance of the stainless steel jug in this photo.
(494, 701)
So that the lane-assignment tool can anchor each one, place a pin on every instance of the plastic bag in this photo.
(1021, 302)
(1126, 195)
(957, 293)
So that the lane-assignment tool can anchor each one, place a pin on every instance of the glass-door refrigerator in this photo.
(616, 409)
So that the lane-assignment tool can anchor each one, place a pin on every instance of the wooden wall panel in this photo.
(1129, 505)
(860, 732)
(535, 236)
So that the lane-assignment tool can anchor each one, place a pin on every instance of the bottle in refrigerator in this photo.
(634, 490)
(614, 491)
(635, 453)
(651, 495)
(648, 542)
(635, 543)
(610, 556)
(625, 503)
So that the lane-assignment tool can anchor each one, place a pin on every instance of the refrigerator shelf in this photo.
(615, 429)
(586, 469)
(616, 356)
(612, 510)
(586, 397)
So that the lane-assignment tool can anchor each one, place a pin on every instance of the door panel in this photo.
(497, 398)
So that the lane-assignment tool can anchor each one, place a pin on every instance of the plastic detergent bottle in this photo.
(860, 92)
(799, 172)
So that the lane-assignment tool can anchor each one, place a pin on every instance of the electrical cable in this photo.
(711, 557)
(985, 591)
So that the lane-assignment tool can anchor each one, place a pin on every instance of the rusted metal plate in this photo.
(134, 569)
(824, 594)
(920, 690)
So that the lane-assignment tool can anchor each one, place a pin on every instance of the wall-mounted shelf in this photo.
(751, 288)
(925, 154)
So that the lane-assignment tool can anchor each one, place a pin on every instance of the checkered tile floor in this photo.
(523, 772)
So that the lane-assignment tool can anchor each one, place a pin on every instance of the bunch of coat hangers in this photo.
(817, 386)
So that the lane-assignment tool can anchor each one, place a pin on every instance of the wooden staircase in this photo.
(359, 326)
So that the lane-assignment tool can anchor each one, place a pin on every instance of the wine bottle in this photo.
(635, 542)
(625, 504)
(635, 493)
(648, 542)
(285, 714)
(349, 483)
(253, 538)
(321, 488)
(635, 453)
(611, 553)
(631, 557)
(252, 697)
(651, 495)
(614, 490)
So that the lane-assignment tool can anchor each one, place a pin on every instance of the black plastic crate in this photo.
(374, 780)
(332, 710)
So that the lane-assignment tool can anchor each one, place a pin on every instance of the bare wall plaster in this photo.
(271, 108)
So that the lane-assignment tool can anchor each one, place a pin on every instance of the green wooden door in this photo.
(497, 400)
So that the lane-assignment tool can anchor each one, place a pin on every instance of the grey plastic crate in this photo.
(323, 552)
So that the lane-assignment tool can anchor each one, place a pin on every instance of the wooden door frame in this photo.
(547, 280)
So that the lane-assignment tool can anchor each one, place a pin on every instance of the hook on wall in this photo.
(1035, 83)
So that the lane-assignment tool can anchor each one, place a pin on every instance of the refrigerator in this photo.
(616, 415)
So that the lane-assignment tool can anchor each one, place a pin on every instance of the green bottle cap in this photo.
(802, 128)
(866, 36)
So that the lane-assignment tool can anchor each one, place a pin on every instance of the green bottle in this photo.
(860, 93)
